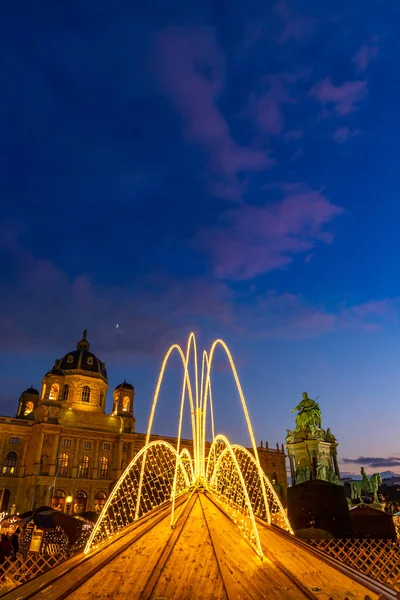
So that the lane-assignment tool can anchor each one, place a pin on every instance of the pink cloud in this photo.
(344, 97)
(295, 27)
(290, 316)
(253, 240)
(191, 70)
(267, 109)
(343, 134)
(43, 306)
(365, 56)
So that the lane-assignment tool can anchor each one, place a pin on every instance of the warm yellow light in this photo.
(160, 473)
(68, 499)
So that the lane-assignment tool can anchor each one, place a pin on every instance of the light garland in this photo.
(160, 473)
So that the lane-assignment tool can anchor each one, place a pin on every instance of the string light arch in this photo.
(160, 473)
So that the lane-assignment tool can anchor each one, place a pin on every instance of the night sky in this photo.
(226, 167)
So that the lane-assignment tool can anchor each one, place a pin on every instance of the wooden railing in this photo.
(15, 571)
(379, 559)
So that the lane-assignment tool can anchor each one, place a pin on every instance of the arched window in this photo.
(101, 400)
(83, 470)
(10, 463)
(99, 501)
(125, 403)
(80, 502)
(53, 395)
(104, 466)
(58, 501)
(85, 393)
(65, 392)
(63, 461)
(43, 390)
(28, 408)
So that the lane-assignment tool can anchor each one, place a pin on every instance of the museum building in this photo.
(63, 450)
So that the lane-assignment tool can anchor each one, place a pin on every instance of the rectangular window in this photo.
(15, 441)
(87, 444)
(67, 443)
(106, 446)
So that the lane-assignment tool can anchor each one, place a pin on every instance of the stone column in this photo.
(95, 468)
(129, 452)
(117, 458)
(75, 459)
(53, 458)
(292, 468)
(21, 466)
(38, 453)
(335, 462)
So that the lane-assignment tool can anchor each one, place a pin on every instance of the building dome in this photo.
(57, 372)
(124, 386)
(80, 359)
(31, 390)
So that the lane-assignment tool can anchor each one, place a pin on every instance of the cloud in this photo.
(295, 27)
(374, 461)
(252, 240)
(365, 56)
(344, 98)
(343, 134)
(267, 108)
(191, 70)
(43, 306)
(290, 316)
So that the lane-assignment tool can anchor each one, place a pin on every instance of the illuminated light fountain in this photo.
(160, 473)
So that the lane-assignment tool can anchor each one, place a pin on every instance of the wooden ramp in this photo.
(204, 557)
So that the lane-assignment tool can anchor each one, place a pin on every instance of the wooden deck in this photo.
(204, 557)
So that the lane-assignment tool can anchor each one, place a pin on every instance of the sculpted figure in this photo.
(289, 436)
(309, 414)
(329, 437)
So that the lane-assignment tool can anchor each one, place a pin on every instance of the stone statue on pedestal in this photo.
(312, 451)
(308, 416)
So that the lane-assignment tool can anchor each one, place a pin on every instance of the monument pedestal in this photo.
(312, 459)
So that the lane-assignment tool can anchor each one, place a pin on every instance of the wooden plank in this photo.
(245, 575)
(309, 569)
(192, 570)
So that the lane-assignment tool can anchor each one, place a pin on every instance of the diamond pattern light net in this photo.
(160, 473)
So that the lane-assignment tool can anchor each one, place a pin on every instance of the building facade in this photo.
(63, 450)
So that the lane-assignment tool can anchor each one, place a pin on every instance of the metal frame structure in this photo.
(160, 473)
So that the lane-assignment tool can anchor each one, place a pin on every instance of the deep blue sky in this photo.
(230, 168)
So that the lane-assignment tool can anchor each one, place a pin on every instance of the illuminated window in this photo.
(28, 408)
(58, 501)
(53, 395)
(43, 390)
(99, 501)
(83, 470)
(85, 393)
(104, 466)
(15, 441)
(65, 392)
(125, 403)
(80, 502)
(10, 463)
(63, 461)
(87, 444)
(106, 446)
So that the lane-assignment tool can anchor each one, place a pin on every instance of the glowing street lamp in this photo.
(68, 501)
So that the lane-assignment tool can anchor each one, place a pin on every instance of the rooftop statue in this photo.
(309, 414)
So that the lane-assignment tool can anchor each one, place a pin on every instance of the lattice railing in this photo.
(14, 572)
(379, 559)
